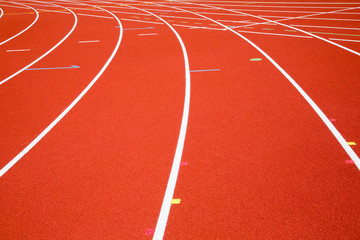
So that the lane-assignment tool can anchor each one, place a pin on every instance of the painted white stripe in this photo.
(62, 115)
(333, 19)
(275, 34)
(260, 10)
(27, 28)
(160, 10)
(182, 17)
(345, 40)
(143, 14)
(1, 12)
(265, 6)
(18, 50)
(89, 41)
(6, 5)
(49, 51)
(249, 2)
(222, 20)
(90, 15)
(309, 26)
(319, 112)
(198, 27)
(165, 208)
(133, 20)
(147, 34)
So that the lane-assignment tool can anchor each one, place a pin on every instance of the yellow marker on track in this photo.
(176, 201)
(352, 143)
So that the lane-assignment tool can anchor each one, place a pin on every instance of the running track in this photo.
(179, 119)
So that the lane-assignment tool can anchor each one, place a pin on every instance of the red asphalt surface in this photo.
(258, 162)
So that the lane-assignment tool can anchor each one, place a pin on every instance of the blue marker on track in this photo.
(72, 66)
(206, 70)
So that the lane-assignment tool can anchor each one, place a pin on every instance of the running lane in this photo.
(101, 172)
(258, 162)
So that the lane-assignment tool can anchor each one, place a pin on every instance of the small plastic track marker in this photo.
(349, 161)
(175, 201)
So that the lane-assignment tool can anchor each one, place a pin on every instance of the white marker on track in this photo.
(90, 41)
(18, 50)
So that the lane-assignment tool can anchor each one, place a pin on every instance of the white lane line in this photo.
(49, 51)
(18, 50)
(133, 20)
(62, 115)
(142, 14)
(275, 34)
(320, 3)
(309, 26)
(90, 15)
(89, 41)
(265, 6)
(257, 10)
(182, 17)
(309, 18)
(244, 21)
(170, 188)
(147, 34)
(27, 28)
(5, 5)
(1, 12)
(319, 112)
(344, 40)
(196, 27)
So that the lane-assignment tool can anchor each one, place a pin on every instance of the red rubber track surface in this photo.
(258, 162)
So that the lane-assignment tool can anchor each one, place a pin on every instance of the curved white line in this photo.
(1, 12)
(319, 112)
(27, 28)
(170, 188)
(49, 51)
(284, 25)
(62, 115)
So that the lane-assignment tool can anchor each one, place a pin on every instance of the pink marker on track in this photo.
(149, 231)
(349, 161)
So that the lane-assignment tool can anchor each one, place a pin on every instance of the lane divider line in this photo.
(18, 50)
(174, 172)
(345, 40)
(133, 20)
(51, 68)
(90, 15)
(138, 28)
(275, 34)
(205, 70)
